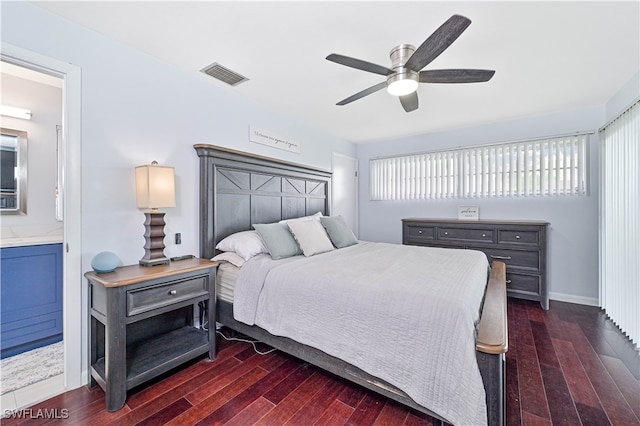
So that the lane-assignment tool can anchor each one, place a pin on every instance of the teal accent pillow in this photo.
(278, 239)
(339, 232)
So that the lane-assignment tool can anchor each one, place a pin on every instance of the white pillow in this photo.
(304, 218)
(311, 236)
(245, 244)
(231, 257)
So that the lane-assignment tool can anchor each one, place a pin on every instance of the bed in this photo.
(239, 189)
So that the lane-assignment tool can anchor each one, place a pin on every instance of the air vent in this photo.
(224, 74)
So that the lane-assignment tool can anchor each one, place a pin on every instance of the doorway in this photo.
(73, 311)
(344, 189)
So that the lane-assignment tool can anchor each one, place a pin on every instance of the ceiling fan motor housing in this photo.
(403, 81)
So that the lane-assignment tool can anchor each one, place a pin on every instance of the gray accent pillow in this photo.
(339, 232)
(278, 239)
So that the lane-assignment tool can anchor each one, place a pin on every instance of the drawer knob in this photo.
(484, 235)
(446, 233)
(420, 231)
(173, 292)
(517, 237)
(508, 281)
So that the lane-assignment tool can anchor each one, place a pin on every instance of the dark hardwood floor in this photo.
(569, 365)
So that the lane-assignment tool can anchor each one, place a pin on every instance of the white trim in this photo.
(74, 300)
(570, 298)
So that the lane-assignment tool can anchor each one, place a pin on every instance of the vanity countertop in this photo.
(30, 241)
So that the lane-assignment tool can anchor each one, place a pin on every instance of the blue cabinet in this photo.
(30, 297)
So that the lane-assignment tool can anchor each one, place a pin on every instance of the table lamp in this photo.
(155, 188)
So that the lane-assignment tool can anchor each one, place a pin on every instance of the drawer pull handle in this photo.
(517, 237)
(501, 257)
(420, 231)
(173, 292)
(508, 281)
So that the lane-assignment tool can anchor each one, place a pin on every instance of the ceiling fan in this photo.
(407, 62)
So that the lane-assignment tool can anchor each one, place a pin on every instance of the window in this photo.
(546, 167)
(619, 225)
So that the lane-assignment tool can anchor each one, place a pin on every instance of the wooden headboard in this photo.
(238, 189)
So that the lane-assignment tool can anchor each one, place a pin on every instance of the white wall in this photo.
(45, 103)
(573, 231)
(623, 99)
(136, 109)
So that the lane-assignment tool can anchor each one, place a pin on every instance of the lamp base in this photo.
(160, 261)
(154, 240)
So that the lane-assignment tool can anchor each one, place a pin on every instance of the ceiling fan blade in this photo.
(456, 76)
(437, 42)
(409, 102)
(359, 64)
(362, 94)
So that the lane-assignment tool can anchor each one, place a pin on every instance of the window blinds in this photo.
(620, 223)
(546, 167)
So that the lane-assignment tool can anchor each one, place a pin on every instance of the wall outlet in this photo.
(178, 238)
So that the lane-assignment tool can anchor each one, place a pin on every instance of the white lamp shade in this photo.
(155, 187)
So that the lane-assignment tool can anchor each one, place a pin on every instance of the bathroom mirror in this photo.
(13, 172)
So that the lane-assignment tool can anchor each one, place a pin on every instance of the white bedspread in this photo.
(405, 314)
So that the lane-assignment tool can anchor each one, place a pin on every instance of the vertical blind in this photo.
(620, 222)
(545, 167)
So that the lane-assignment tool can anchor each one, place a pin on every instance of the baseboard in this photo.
(570, 298)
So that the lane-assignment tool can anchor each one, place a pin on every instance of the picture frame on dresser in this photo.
(521, 245)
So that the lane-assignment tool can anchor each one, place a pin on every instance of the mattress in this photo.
(226, 279)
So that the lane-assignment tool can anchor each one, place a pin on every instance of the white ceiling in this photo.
(548, 56)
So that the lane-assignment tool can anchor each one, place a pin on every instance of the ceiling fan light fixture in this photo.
(407, 64)
(402, 84)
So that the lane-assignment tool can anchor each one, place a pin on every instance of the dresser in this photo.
(521, 245)
(142, 323)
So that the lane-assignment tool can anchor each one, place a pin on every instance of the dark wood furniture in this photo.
(238, 189)
(141, 323)
(521, 245)
(30, 297)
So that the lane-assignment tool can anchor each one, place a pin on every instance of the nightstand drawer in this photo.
(466, 234)
(529, 284)
(514, 258)
(149, 298)
(518, 237)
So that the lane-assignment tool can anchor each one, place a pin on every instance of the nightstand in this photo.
(141, 322)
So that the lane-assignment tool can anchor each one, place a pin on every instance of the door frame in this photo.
(356, 195)
(73, 301)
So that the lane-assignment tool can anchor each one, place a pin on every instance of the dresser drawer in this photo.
(514, 258)
(149, 298)
(507, 236)
(466, 234)
(529, 284)
(418, 233)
